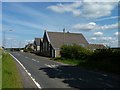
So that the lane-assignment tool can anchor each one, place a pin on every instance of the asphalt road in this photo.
(51, 74)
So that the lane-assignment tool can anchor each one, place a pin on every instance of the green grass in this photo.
(0, 69)
(70, 61)
(10, 74)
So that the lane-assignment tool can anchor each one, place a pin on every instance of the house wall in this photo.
(47, 49)
(57, 52)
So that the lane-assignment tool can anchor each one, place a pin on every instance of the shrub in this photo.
(74, 52)
(106, 54)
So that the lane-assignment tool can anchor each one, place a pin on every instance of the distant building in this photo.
(30, 47)
(95, 46)
(38, 45)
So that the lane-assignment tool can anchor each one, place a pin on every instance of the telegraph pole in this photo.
(4, 39)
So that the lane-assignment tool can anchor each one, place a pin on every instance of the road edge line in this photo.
(36, 83)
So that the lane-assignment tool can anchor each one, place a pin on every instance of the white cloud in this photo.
(29, 41)
(108, 27)
(62, 8)
(98, 34)
(85, 9)
(106, 38)
(97, 9)
(94, 26)
(101, 0)
(107, 18)
(117, 33)
(89, 26)
(93, 38)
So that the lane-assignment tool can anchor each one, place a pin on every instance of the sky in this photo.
(23, 21)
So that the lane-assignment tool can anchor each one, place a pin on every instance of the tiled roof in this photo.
(57, 39)
(37, 41)
(95, 46)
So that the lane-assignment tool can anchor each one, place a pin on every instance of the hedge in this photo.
(74, 52)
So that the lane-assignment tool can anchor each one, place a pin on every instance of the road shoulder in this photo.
(26, 80)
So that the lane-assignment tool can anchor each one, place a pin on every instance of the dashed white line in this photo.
(109, 85)
(105, 75)
(35, 60)
(36, 83)
(51, 66)
(48, 66)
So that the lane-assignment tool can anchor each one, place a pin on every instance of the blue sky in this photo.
(98, 22)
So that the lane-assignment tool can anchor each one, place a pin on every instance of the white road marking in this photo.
(53, 66)
(36, 83)
(48, 66)
(109, 85)
(35, 60)
(105, 75)
(80, 79)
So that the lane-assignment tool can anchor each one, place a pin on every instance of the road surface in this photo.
(51, 74)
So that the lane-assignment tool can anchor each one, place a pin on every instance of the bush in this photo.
(74, 52)
(28, 50)
(105, 54)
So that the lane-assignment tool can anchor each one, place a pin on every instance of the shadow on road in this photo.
(77, 77)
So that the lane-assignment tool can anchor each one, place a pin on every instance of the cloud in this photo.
(89, 26)
(98, 34)
(107, 18)
(106, 38)
(93, 38)
(29, 41)
(62, 8)
(94, 26)
(101, 0)
(117, 33)
(15, 21)
(97, 9)
(108, 27)
(85, 9)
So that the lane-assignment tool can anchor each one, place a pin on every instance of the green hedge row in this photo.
(105, 54)
(79, 52)
(74, 52)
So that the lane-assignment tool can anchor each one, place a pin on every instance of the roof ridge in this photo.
(63, 32)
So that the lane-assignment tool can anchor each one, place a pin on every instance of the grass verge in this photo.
(69, 61)
(0, 69)
(10, 74)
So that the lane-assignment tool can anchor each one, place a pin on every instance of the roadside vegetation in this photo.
(0, 68)
(10, 74)
(102, 59)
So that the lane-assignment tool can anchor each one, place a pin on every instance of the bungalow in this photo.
(38, 45)
(30, 47)
(52, 41)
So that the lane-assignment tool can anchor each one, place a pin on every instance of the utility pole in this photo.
(4, 39)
